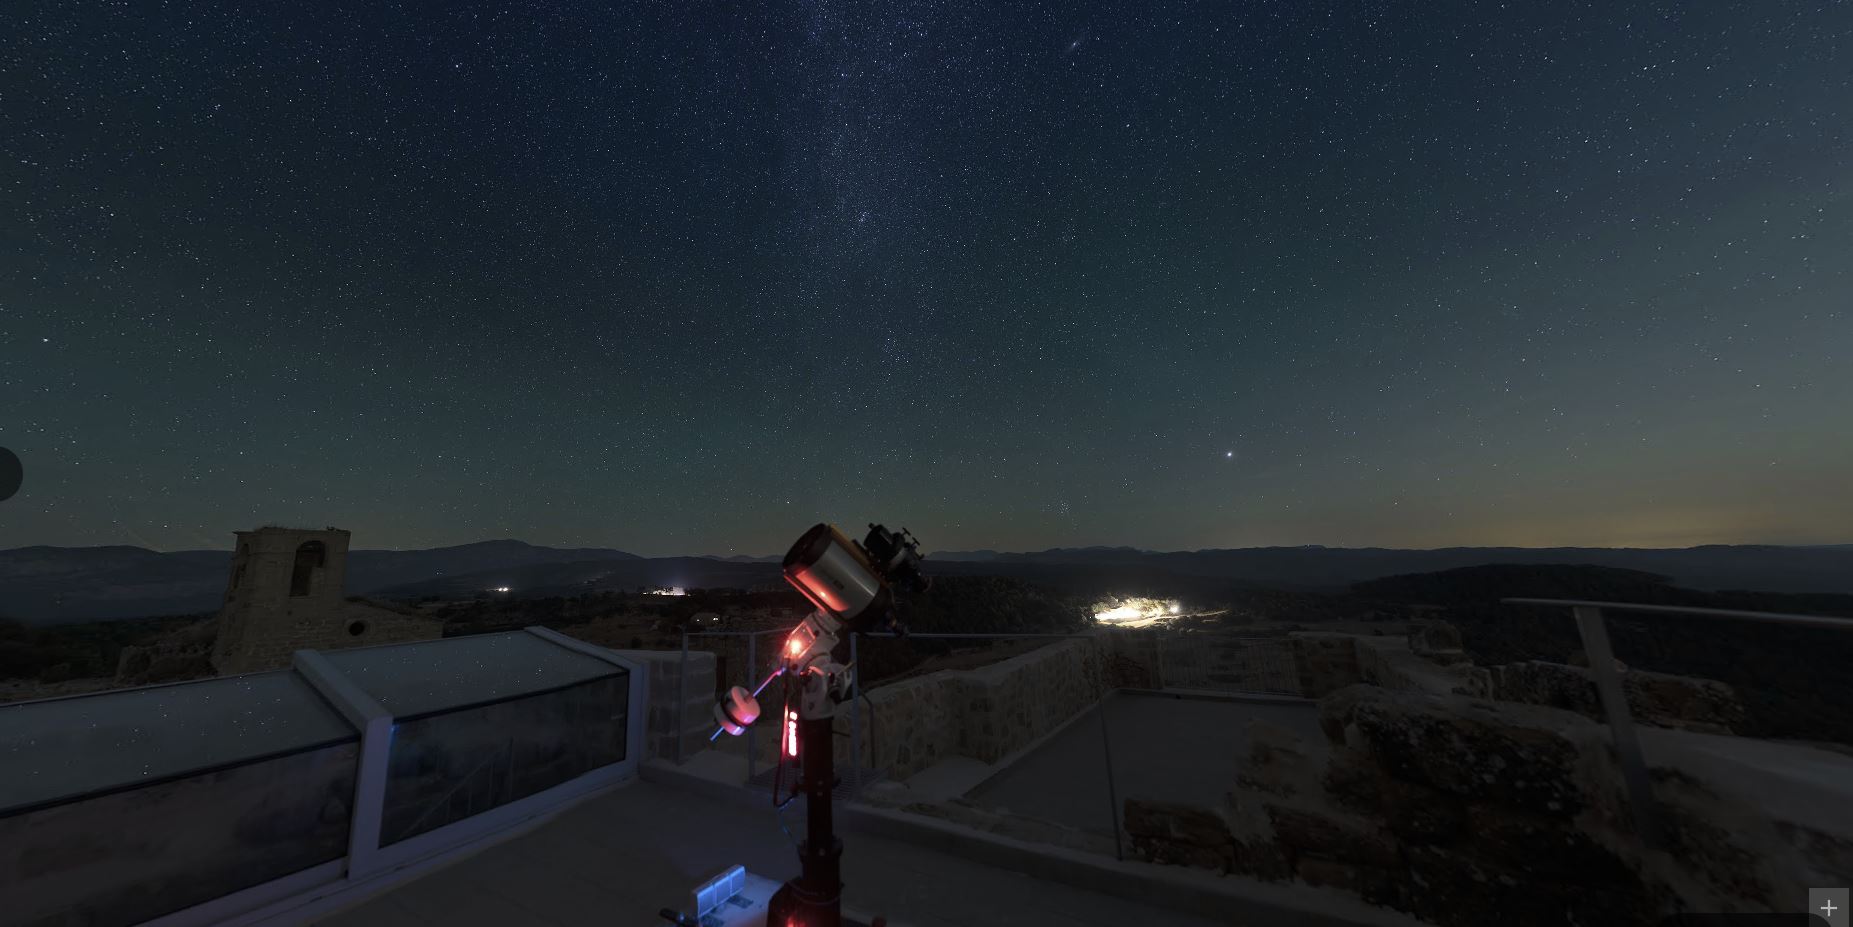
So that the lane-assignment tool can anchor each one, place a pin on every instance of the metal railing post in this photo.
(855, 719)
(682, 698)
(752, 673)
(1158, 659)
(1106, 748)
(366, 817)
(1594, 631)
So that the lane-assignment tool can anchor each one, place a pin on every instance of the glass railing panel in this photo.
(458, 763)
(60, 749)
(124, 856)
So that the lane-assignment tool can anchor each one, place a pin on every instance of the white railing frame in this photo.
(293, 898)
(1592, 626)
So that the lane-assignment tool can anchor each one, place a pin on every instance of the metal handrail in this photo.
(1812, 621)
(856, 713)
(1592, 626)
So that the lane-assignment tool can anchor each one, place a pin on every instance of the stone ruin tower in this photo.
(285, 594)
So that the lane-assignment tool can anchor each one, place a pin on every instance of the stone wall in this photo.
(986, 713)
(696, 714)
(910, 725)
(269, 639)
(1657, 699)
(1220, 662)
(1134, 659)
(1001, 708)
(1407, 665)
(1325, 662)
(1464, 811)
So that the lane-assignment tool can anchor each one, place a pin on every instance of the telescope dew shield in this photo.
(835, 575)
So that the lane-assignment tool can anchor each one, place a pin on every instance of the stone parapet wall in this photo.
(1220, 662)
(1325, 662)
(1003, 707)
(671, 704)
(1395, 663)
(1658, 699)
(987, 713)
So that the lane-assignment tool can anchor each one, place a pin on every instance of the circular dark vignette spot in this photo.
(356, 628)
(12, 473)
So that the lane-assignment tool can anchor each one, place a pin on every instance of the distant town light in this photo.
(672, 590)
(499, 589)
(1120, 613)
(1136, 611)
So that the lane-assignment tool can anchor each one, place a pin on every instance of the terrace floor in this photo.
(619, 858)
(1165, 748)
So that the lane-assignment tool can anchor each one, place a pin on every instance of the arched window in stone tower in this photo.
(309, 558)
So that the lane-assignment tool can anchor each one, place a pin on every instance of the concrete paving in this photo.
(948, 778)
(1790, 782)
(618, 859)
(1164, 748)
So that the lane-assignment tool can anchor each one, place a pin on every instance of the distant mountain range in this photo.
(61, 584)
(1766, 568)
(64, 584)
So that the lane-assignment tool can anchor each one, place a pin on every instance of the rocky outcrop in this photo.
(1658, 699)
(1179, 834)
(1437, 642)
(1395, 664)
(182, 654)
(1465, 811)
(1431, 659)
(1278, 763)
(1521, 756)
(1461, 811)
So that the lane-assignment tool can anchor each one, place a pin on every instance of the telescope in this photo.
(853, 588)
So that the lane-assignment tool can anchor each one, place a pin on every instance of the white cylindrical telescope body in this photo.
(834, 574)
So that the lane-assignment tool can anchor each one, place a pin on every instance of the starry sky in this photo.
(685, 277)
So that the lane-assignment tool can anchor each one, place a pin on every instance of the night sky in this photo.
(686, 277)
